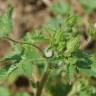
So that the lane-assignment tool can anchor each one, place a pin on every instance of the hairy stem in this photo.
(43, 81)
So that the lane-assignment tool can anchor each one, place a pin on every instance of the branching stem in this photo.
(47, 71)
(21, 42)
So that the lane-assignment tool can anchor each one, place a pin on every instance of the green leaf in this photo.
(71, 72)
(73, 44)
(88, 4)
(22, 94)
(6, 23)
(4, 91)
(60, 6)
